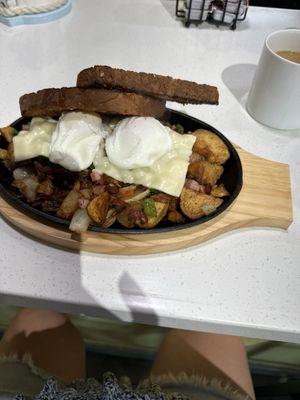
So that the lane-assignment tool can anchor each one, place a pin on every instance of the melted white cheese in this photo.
(36, 141)
(167, 174)
(76, 140)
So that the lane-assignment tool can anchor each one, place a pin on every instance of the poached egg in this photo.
(137, 142)
(137, 150)
(162, 170)
(75, 140)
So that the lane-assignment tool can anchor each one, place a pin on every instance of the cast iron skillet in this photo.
(232, 178)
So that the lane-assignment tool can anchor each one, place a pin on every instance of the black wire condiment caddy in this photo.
(218, 12)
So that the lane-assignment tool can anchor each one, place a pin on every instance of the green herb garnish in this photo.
(149, 207)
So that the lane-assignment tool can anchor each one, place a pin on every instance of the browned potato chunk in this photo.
(211, 146)
(3, 154)
(8, 133)
(86, 193)
(195, 205)
(10, 158)
(128, 215)
(204, 172)
(176, 217)
(173, 204)
(98, 208)
(69, 204)
(219, 191)
(45, 188)
(161, 211)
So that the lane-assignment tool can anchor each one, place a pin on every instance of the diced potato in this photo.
(176, 217)
(195, 205)
(161, 211)
(10, 158)
(80, 221)
(86, 193)
(69, 204)
(125, 217)
(76, 186)
(205, 172)
(173, 204)
(210, 146)
(3, 154)
(98, 208)
(45, 188)
(8, 133)
(219, 191)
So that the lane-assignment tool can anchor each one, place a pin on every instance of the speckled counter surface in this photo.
(246, 283)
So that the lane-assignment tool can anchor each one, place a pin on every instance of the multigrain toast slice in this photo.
(163, 87)
(53, 102)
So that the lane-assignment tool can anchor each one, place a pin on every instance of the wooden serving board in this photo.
(264, 201)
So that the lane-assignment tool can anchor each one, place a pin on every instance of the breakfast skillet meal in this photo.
(98, 154)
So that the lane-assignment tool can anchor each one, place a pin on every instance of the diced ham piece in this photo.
(95, 176)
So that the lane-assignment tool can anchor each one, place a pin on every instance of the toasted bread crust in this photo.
(163, 87)
(52, 102)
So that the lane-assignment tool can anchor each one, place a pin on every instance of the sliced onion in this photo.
(31, 186)
(27, 187)
(80, 221)
(111, 212)
(192, 184)
(83, 203)
(22, 173)
(109, 221)
(138, 197)
(95, 176)
(111, 217)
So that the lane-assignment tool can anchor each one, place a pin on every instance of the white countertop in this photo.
(244, 283)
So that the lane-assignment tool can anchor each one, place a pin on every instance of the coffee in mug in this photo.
(293, 56)
(274, 97)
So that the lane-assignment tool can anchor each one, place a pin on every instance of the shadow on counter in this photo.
(238, 79)
(133, 297)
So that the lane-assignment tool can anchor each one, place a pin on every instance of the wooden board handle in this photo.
(265, 199)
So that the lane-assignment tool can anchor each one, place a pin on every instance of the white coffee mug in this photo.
(274, 98)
